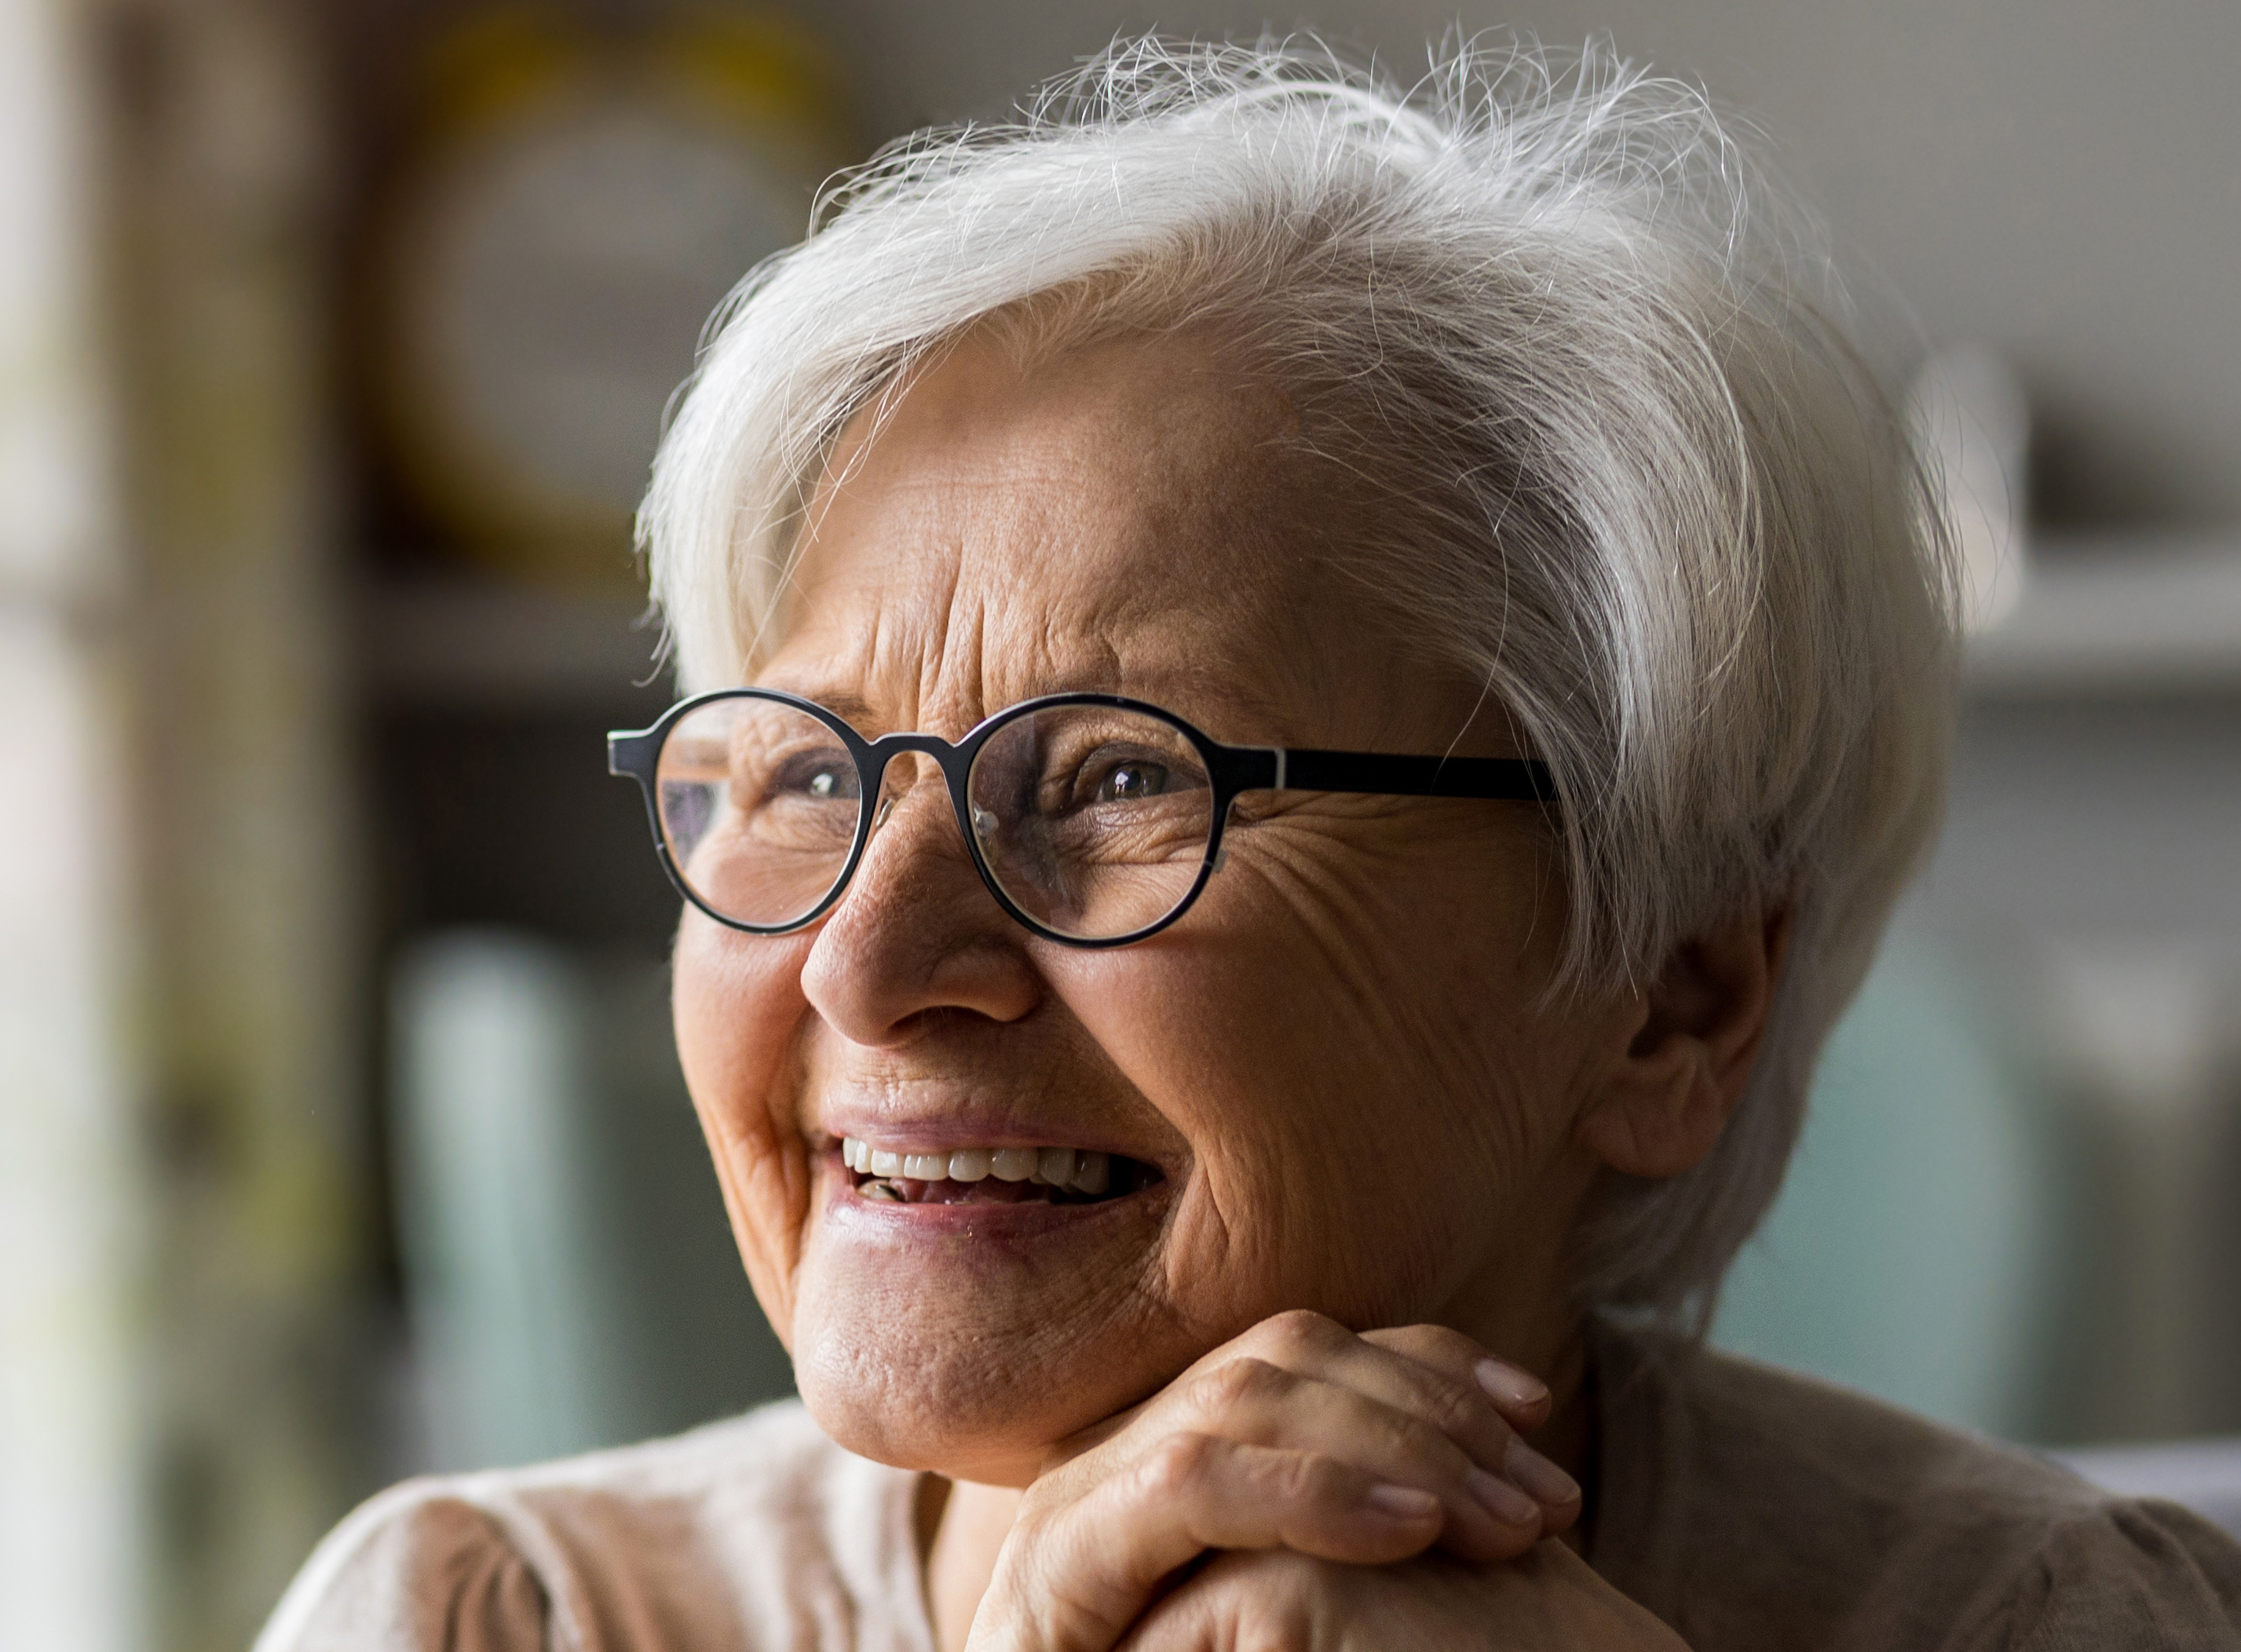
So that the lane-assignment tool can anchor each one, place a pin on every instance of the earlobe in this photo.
(1684, 1050)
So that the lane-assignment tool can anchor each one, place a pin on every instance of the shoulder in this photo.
(1766, 1509)
(2129, 1574)
(752, 1532)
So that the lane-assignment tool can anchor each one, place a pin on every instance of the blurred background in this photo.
(340, 1136)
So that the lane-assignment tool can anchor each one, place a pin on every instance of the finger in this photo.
(1521, 1397)
(1443, 1387)
(1254, 1402)
(1462, 1362)
(1078, 1577)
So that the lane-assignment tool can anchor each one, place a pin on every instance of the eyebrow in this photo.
(852, 708)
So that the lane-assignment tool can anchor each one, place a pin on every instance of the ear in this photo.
(1695, 1034)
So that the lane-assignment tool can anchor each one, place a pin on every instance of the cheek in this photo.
(1369, 1094)
(739, 1012)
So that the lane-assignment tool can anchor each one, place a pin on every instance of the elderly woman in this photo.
(1310, 702)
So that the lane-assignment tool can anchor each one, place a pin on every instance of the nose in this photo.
(917, 931)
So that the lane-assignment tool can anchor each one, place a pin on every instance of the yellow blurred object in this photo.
(574, 207)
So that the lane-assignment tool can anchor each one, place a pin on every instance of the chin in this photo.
(972, 1409)
(978, 1385)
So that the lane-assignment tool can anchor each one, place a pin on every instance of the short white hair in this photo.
(1628, 473)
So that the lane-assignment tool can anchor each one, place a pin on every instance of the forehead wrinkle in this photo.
(955, 622)
(981, 613)
(949, 638)
(1143, 543)
(954, 636)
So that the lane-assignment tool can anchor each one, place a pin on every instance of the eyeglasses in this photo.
(1093, 820)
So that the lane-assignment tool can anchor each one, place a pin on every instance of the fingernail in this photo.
(1510, 1385)
(1502, 1499)
(1538, 1476)
(1404, 1502)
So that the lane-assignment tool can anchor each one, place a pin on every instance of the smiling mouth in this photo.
(993, 1176)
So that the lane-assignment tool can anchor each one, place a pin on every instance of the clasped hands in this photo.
(1303, 1486)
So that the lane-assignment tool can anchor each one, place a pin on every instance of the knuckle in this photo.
(1412, 1436)
(1241, 1382)
(1440, 1346)
(1458, 1410)
(1245, 1383)
(1310, 1478)
(1300, 1330)
(1178, 1461)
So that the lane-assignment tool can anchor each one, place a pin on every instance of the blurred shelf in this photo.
(485, 645)
(2119, 616)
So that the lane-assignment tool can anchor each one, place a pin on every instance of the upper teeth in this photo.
(1083, 1171)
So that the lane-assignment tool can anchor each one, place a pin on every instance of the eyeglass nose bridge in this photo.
(873, 758)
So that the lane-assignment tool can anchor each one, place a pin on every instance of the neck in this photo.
(962, 1526)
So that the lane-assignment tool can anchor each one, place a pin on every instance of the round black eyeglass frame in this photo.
(1230, 770)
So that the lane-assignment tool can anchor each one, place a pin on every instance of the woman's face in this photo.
(1335, 1069)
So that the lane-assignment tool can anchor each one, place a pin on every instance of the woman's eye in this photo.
(816, 776)
(1127, 782)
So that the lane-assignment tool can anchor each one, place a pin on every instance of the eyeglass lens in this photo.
(759, 802)
(1092, 820)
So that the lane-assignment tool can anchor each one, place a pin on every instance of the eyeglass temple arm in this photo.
(1517, 779)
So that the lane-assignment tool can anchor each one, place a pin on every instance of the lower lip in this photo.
(1033, 1219)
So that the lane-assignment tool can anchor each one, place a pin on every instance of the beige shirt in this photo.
(1747, 1507)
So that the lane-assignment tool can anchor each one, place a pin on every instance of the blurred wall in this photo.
(71, 1550)
(226, 843)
